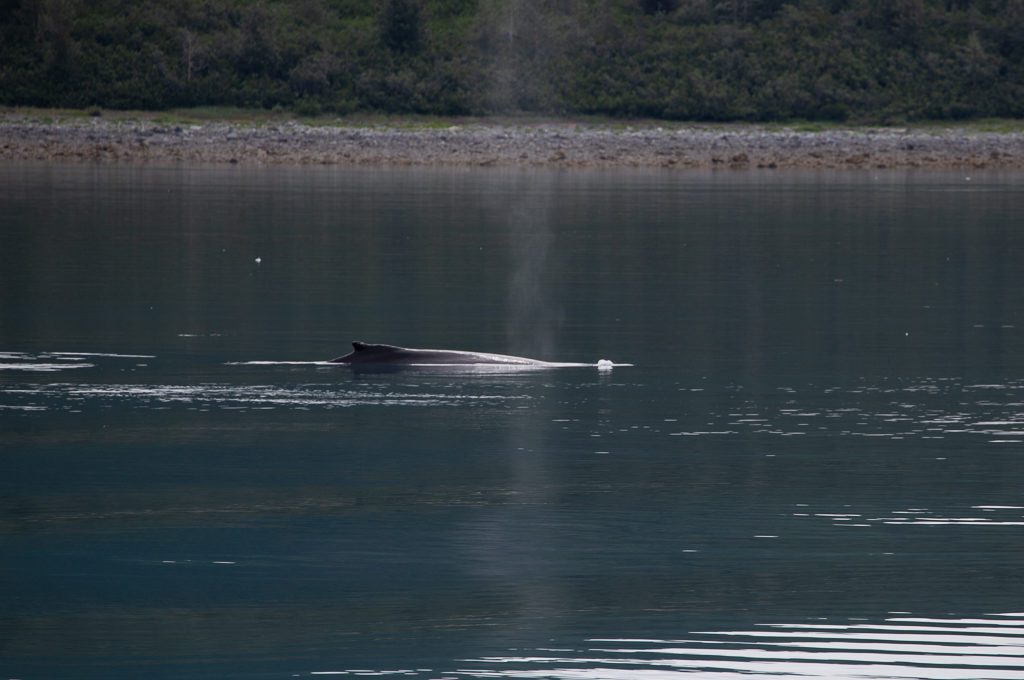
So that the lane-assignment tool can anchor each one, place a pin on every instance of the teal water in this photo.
(815, 466)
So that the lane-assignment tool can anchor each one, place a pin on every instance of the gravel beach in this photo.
(559, 144)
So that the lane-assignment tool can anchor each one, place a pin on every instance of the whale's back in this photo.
(368, 353)
(393, 355)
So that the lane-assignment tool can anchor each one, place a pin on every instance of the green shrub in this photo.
(308, 107)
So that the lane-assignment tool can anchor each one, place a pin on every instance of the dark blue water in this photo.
(815, 466)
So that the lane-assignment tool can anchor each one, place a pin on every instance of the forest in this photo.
(878, 61)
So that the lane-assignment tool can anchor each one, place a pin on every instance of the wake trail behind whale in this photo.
(278, 363)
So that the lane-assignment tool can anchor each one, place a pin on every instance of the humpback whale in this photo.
(364, 353)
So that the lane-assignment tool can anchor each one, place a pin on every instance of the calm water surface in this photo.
(815, 467)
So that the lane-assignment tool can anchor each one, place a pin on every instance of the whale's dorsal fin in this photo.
(359, 346)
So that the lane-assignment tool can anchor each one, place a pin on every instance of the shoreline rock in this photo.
(559, 145)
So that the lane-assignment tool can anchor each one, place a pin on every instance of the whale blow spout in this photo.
(364, 353)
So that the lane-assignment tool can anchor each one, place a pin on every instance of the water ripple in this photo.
(895, 409)
(41, 367)
(990, 516)
(68, 396)
(901, 647)
(50, 362)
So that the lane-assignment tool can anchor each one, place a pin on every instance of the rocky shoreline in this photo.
(561, 144)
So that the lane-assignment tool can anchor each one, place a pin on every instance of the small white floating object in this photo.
(259, 259)
(605, 365)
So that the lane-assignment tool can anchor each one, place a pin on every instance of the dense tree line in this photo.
(679, 59)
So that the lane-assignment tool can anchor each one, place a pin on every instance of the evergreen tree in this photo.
(400, 25)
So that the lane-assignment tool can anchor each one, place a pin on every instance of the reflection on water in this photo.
(988, 647)
(900, 647)
(48, 362)
(916, 409)
(989, 516)
(65, 396)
